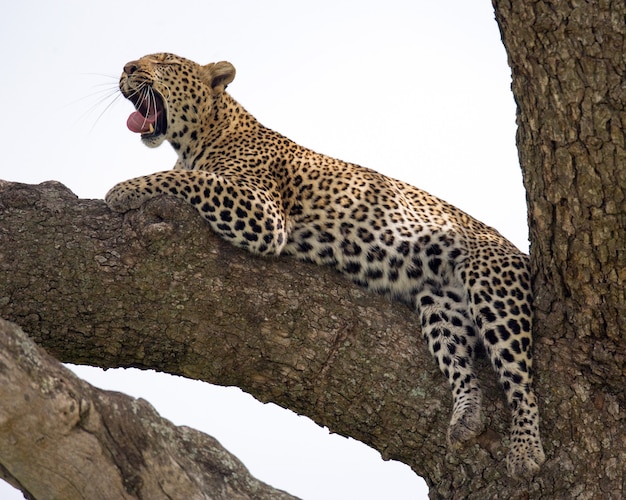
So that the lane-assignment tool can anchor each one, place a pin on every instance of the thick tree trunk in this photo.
(53, 425)
(568, 68)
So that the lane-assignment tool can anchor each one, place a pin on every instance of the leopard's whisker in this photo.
(108, 95)
(115, 98)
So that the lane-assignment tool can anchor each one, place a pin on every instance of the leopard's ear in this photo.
(218, 75)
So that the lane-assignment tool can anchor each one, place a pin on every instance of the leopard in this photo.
(264, 193)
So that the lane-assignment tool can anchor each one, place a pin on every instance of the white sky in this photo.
(418, 90)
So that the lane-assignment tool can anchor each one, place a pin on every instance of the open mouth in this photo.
(149, 119)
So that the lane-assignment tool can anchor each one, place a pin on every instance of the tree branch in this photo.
(100, 444)
(156, 289)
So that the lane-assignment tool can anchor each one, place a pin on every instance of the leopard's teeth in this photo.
(151, 129)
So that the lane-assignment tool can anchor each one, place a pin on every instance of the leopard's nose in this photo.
(130, 67)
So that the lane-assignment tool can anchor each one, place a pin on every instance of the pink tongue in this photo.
(141, 124)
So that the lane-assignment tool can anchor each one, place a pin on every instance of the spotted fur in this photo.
(262, 192)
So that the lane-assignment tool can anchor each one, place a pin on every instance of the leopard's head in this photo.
(171, 95)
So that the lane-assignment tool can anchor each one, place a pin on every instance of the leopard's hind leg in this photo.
(451, 338)
(500, 302)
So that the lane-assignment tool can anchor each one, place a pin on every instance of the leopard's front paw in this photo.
(123, 197)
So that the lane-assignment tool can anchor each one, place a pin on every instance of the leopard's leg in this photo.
(246, 216)
(452, 339)
(501, 305)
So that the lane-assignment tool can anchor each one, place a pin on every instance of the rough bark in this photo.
(568, 68)
(62, 438)
(155, 289)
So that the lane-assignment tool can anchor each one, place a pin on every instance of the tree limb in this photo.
(155, 289)
(92, 443)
